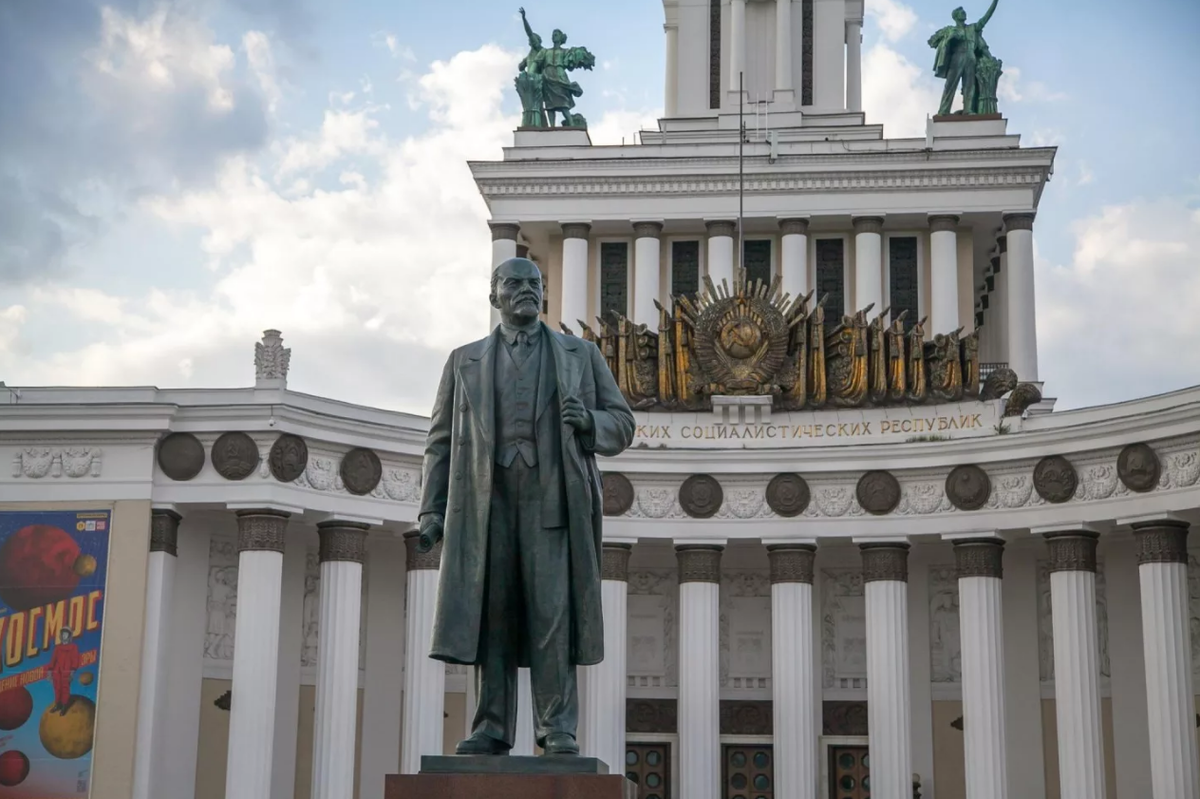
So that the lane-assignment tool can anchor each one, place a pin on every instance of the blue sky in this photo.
(177, 176)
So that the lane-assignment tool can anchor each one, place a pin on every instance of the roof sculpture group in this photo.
(543, 84)
(752, 339)
(963, 58)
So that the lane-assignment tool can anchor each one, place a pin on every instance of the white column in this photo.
(160, 587)
(424, 678)
(382, 692)
(1076, 663)
(604, 687)
(504, 246)
(721, 234)
(737, 46)
(854, 65)
(981, 625)
(255, 654)
(1022, 309)
(672, 71)
(783, 48)
(287, 683)
(523, 736)
(646, 272)
(699, 671)
(943, 273)
(1166, 642)
(793, 252)
(868, 266)
(342, 550)
(889, 710)
(575, 275)
(792, 661)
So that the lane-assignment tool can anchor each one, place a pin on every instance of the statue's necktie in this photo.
(521, 351)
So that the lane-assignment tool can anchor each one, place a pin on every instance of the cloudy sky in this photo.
(177, 176)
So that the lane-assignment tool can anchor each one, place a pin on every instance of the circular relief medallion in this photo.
(968, 487)
(878, 492)
(1139, 468)
(235, 456)
(700, 496)
(288, 458)
(361, 471)
(1054, 479)
(180, 456)
(618, 494)
(788, 494)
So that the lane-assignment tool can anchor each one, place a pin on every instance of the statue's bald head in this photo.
(517, 290)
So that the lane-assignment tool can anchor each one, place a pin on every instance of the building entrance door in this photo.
(649, 765)
(747, 772)
(849, 772)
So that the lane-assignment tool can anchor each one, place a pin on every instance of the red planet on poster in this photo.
(37, 567)
(16, 706)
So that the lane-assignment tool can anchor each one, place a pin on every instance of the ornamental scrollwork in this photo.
(54, 462)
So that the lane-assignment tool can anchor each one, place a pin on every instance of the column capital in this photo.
(868, 224)
(720, 227)
(943, 223)
(614, 562)
(793, 225)
(1019, 221)
(505, 231)
(884, 561)
(1072, 551)
(261, 530)
(342, 541)
(421, 561)
(1161, 541)
(647, 229)
(979, 557)
(699, 564)
(792, 563)
(576, 230)
(164, 531)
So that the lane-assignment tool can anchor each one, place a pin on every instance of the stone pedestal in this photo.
(451, 777)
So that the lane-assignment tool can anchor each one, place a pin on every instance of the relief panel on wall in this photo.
(945, 648)
(1046, 623)
(745, 630)
(310, 634)
(222, 599)
(652, 639)
(843, 630)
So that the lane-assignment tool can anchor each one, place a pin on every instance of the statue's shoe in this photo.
(560, 743)
(480, 744)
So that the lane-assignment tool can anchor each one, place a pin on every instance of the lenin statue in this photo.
(512, 490)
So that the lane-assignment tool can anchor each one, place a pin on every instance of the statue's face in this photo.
(560, 38)
(959, 15)
(517, 291)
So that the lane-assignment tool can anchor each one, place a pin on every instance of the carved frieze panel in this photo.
(745, 630)
(652, 715)
(945, 643)
(652, 637)
(222, 599)
(310, 625)
(38, 462)
(741, 717)
(843, 718)
(1046, 622)
(843, 629)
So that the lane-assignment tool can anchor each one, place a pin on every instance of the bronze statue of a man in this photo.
(960, 48)
(512, 489)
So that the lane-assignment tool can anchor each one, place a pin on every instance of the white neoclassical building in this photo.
(822, 592)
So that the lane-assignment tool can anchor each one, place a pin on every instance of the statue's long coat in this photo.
(460, 457)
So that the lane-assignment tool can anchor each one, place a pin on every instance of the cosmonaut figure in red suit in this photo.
(63, 664)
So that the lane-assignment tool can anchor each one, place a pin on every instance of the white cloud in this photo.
(393, 45)
(1046, 137)
(617, 127)
(1086, 175)
(895, 19)
(262, 65)
(897, 93)
(342, 133)
(1127, 298)
(1012, 88)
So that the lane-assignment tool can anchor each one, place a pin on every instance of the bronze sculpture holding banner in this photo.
(543, 84)
(963, 58)
(511, 488)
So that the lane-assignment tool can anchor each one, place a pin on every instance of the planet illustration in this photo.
(69, 736)
(86, 678)
(14, 768)
(16, 706)
(85, 565)
(37, 567)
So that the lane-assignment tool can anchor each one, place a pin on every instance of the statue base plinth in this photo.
(967, 117)
(509, 777)
(551, 137)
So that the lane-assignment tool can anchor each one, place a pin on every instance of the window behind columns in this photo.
(806, 81)
(614, 278)
(714, 53)
(756, 257)
(831, 277)
(902, 282)
(685, 268)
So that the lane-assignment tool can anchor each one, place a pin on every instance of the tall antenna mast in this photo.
(741, 171)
